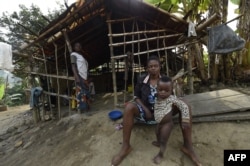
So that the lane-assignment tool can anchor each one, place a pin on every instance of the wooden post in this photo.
(166, 58)
(67, 40)
(208, 22)
(139, 59)
(112, 62)
(34, 114)
(189, 68)
(58, 84)
(126, 64)
(47, 80)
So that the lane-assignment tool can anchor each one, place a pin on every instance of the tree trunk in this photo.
(244, 30)
(200, 62)
(190, 78)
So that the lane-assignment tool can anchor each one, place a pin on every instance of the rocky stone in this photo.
(18, 143)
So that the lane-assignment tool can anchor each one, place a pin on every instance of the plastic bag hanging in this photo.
(222, 40)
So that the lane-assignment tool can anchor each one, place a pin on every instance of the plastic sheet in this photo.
(222, 40)
(6, 57)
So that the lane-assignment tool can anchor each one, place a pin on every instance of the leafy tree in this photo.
(22, 28)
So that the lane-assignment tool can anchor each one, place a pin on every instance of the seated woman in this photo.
(143, 109)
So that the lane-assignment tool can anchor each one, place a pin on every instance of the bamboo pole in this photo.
(190, 73)
(52, 76)
(55, 94)
(121, 20)
(47, 80)
(132, 55)
(157, 42)
(213, 18)
(58, 84)
(144, 40)
(67, 40)
(153, 50)
(166, 57)
(112, 62)
(67, 74)
(138, 32)
(126, 63)
(139, 59)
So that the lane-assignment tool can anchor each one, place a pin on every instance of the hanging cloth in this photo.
(222, 40)
(6, 57)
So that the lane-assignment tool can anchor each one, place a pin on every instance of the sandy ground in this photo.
(90, 139)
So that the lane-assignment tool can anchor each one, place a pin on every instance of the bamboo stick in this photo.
(112, 62)
(53, 76)
(153, 50)
(138, 32)
(126, 64)
(121, 20)
(139, 59)
(145, 40)
(55, 94)
(67, 40)
(58, 84)
(166, 57)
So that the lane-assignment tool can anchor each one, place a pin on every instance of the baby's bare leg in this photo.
(187, 148)
(157, 133)
(164, 133)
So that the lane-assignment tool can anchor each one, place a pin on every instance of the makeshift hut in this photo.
(117, 37)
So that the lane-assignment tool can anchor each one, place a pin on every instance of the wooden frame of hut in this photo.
(112, 32)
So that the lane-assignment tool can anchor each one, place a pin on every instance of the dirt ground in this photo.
(90, 139)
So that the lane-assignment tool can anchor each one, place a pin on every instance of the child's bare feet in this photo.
(156, 143)
(190, 153)
(157, 159)
(117, 159)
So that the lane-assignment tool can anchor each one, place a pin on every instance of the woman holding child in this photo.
(142, 108)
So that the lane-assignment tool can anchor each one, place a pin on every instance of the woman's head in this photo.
(153, 65)
(164, 87)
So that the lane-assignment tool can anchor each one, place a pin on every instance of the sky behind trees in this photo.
(13, 5)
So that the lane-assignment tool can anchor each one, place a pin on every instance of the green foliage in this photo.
(236, 2)
(183, 6)
(2, 81)
(14, 96)
(165, 4)
(23, 27)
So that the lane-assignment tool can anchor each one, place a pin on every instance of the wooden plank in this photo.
(220, 105)
(224, 117)
(234, 116)
(211, 95)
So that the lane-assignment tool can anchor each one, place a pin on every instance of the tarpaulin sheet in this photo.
(6, 57)
(222, 40)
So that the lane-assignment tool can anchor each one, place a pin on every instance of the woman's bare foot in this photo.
(157, 159)
(190, 153)
(117, 159)
(156, 143)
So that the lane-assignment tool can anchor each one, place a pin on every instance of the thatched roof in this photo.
(87, 24)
